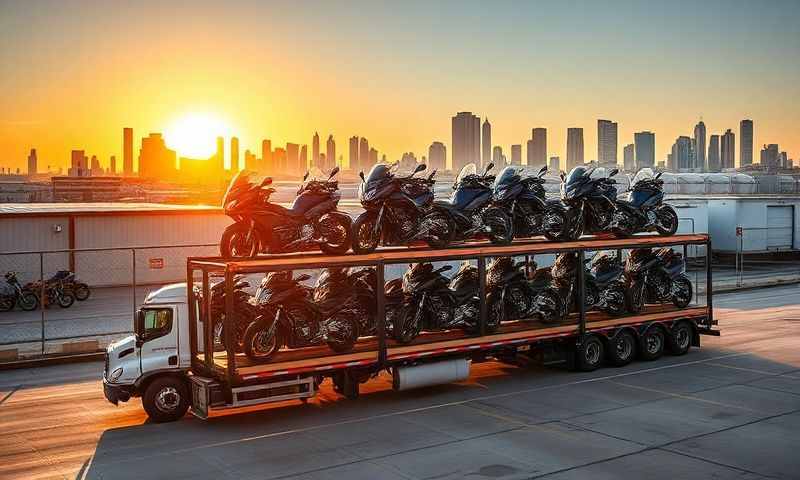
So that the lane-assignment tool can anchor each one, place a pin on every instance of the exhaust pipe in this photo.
(447, 371)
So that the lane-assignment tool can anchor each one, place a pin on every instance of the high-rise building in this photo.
(112, 165)
(745, 143)
(537, 148)
(645, 150)
(293, 159)
(373, 157)
(574, 148)
(486, 142)
(466, 133)
(714, 164)
(555, 164)
(699, 144)
(219, 156)
(770, 157)
(353, 154)
(607, 143)
(32, 161)
(234, 155)
(315, 159)
(498, 158)
(156, 161)
(78, 167)
(783, 160)
(629, 158)
(304, 158)
(279, 160)
(267, 165)
(127, 152)
(363, 154)
(330, 155)
(437, 156)
(681, 154)
(727, 149)
(249, 160)
(516, 154)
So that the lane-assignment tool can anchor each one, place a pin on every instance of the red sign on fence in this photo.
(156, 263)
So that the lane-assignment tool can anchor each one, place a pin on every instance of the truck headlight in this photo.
(115, 374)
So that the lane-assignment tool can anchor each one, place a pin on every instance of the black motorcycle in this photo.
(56, 292)
(523, 199)
(607, 295)
(643, 209)
(606, 276)
(512, 296)
(266, 227)
(588, 204)
(398, 211)
(15, 294)
(471, 210)
(656, 277)
(349, 292)
(79, 289)
(288, 315)
(244, 312)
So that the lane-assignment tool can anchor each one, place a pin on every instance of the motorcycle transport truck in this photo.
(191, 348)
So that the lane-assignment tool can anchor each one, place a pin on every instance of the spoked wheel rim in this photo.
(653, 343)
(437, 228)
(264, 344)
(334, 232)
(500, 227)
(168, 399)
(343, 332)
(554, 224)
(364, 238)
(592, 353)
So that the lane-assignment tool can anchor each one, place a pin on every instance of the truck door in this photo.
(159, 347)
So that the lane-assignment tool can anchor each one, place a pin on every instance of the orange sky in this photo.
(74, 73)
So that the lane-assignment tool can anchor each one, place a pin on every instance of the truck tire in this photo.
(652, 343)
(589, 354)
(166, 399)
(621, 349)
(680, 338)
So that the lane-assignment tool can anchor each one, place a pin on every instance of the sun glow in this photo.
(194, 135)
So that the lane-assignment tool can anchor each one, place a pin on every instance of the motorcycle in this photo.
(55, 292)
(656, 277)
(349, 292)
(471, 210)
(289, 316)
(643, 209)
(606, 276)
(511, 296)
(16, 294)
(244, 312)
(588, 204)
(608, 294)
(262, 226)
(79, 290)
(523, 199)
(398, 211)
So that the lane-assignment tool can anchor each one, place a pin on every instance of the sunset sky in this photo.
(74, 73)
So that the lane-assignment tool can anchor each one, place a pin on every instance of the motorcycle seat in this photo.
(280, 209)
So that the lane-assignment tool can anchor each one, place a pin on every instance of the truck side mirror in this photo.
(138, 327)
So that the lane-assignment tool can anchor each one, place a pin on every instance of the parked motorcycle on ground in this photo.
(398, 211)
(643, 210)
(15, 294)
(261, 226)
(55, 292)
(511, 296)
(656, 276)
(588, 204)
(289, 316)
(607, 295)
(80, 290)
(471, 210)
(523, 199)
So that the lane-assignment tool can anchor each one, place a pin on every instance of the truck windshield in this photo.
(157, 322)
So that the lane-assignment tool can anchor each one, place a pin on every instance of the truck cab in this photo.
(154, 362)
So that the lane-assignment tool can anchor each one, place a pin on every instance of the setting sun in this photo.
(194, 135)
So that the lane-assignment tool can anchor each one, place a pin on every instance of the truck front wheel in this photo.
(166, 399)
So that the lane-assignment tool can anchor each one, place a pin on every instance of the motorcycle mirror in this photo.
(658, 175)
(613, 172)
(266, 181)
(446, 268)
(488, 167)
(420, 168)
(305, 177)
(542, 171)
(333, 172)
(361, 175)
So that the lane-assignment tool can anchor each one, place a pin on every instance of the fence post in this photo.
(42, 294)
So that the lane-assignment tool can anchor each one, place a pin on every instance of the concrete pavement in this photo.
(728, 410)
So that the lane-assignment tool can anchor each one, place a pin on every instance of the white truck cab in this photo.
(154, 362)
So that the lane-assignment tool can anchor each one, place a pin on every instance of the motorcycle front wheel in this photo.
(343, 333)
(65, 300)
(335, 231)
(28, 301)
(259, 344)
(363, 233)
(555, 224)
(501, 227)
(81, 291)
(614, 300)
(408, 327)
(549, 306)
(681, 292)
(667, 220)
(622, 227)
(236, 244)
(440, 229)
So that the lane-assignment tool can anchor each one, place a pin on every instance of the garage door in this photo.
(780, 227)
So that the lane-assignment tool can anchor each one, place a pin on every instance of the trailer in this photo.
(225, 379)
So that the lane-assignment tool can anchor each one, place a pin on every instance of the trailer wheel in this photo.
(346, 384)
(622, 348)
(652, 343)
(589, 354)
(680, 338)
(166, 399)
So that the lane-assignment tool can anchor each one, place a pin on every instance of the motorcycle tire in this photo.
(361, 235)
(591, 296)
(81, 292)
(549, 306)
(622, 228)
(408, 329)
(667, 221)
(442, 228)
(335, 229)
(555, 225)
(234, 243)
(6, 303)
(501, 226)
(635, 298)
(29, 301)
(615, 300)
(256, 344)
(343, 340)
(65, 300)
(681, 291)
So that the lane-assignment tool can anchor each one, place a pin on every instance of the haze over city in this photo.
(283, 70)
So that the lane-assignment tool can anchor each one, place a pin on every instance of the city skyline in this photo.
(80, 98)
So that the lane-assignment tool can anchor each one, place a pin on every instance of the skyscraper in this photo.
(486, 142)
(498, 158)
(466, 133)
(279, 160)
(32, 160)
(607, 143)
(234, 155)
(363, 154)
(219, 156)
(727, 149)
(574, 148)
(770, 157)
(112, 165)
(78, 167)
(537, 148)
(315, 160)
(699, 143)
(629, 158)
(373, 157)
(681, 154)
(745, 143)
(713, 154)
(293, 159)
(437, 156)
(330, 154)
(516, 154)
(353, 154)
(127, 152)
(267, 165)
(304, 158)
(156, 161)
(645, 150)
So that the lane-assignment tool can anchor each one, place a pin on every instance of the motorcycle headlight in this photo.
(370, 194)
(502, 193)
(115, 374)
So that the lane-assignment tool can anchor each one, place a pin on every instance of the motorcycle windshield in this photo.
(642, 176)
(466, 170)
(379, 171)
(508, 176)
(578, 175)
